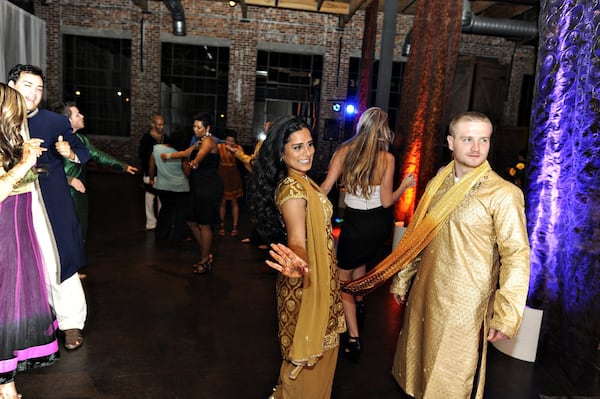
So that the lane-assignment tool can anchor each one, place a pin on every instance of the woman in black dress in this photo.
(366, 170)
(206, 188)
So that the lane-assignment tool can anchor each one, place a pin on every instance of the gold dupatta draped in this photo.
(307, 346)
(424, 226)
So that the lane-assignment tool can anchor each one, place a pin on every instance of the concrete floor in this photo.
(155, 330)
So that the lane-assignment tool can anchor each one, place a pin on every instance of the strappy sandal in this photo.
(199, 263)
(234, 231)
(203, 268)
(222, 230)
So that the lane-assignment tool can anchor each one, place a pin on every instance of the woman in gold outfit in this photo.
(290, 208)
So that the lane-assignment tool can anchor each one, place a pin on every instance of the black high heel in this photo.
(198, 264)
(353, 346)
(203, 268)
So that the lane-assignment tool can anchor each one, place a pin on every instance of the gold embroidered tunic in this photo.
(320, 283)
(472, 276)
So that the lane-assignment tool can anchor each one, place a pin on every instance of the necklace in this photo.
(201, 139)
(205, 136)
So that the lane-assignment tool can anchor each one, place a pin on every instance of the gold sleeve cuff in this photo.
(401, 281)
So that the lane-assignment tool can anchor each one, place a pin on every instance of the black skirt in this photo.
(363, 234)
(206, 194)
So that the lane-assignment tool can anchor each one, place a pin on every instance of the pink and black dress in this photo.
(27, 323)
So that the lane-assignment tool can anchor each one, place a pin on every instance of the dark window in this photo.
(97, 76)
(194, 79)
(527, 89)
(395, 87)
(287, 83)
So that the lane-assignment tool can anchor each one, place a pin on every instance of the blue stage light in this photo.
(336, 107)
(350, 109)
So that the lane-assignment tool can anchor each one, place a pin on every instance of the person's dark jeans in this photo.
(172, 215)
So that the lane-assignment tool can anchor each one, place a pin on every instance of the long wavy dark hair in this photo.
(13, 110)
(268, 172)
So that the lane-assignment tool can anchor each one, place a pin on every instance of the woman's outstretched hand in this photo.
(287, 262)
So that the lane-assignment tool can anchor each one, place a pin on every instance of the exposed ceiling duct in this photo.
(511, 28)
(178, 14)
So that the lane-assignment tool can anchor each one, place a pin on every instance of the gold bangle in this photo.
(11, 179)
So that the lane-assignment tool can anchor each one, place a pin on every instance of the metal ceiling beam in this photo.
(535, 3)
(346, 18)
(408, 6)
(244, 10)
(143, 4)
(505, 11)
(324, 6)
(510, 28)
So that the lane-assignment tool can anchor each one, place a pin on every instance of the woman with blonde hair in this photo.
(27, 323)
(365, 169)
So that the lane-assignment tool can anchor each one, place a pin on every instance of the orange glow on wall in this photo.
(426, 89)
(405, 207)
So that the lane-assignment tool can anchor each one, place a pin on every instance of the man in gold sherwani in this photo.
(470, 282)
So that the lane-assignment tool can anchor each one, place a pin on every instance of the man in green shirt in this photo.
(76, 173)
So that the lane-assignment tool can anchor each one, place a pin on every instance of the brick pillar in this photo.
(368, 56)
(242, 79)
(427, 80)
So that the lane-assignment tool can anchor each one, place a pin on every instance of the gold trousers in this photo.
(313, 382)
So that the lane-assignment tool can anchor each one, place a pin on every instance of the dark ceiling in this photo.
(510, 9)
(518, 10)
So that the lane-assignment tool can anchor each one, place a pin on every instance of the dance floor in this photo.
(155, 330)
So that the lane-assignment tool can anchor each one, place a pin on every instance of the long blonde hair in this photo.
(364, 151)
(13, 112)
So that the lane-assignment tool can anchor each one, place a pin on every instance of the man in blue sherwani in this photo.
(67, 293)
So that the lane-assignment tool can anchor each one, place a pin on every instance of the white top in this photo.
(358, 202)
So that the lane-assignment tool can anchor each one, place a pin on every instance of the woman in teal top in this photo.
(170, 180)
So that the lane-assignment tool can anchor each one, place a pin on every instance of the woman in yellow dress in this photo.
(232, 181)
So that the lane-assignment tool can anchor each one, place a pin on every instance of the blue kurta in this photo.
(48, 126)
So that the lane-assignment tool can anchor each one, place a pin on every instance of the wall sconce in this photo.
(232, 3)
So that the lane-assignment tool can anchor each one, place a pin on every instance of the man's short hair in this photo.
(15, 73)
(64, 108)
(470, 116)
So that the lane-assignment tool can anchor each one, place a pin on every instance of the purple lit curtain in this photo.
(563, 190)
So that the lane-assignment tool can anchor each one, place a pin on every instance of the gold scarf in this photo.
(424, 226)
(307, 346)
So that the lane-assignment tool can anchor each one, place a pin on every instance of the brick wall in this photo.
(207, 21)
